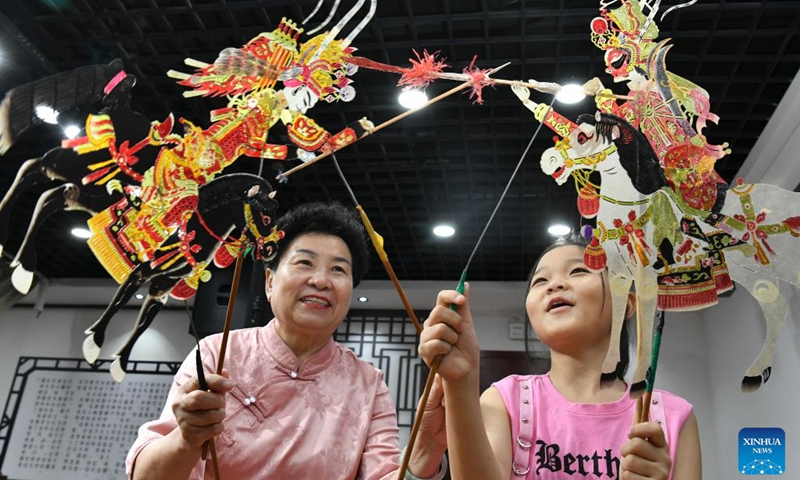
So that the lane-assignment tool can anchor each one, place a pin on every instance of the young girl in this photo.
(563, 424)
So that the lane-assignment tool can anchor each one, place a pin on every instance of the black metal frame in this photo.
(28, 365)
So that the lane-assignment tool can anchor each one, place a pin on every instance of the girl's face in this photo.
(569, 306)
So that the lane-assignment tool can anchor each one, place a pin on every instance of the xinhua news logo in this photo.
(762, 451)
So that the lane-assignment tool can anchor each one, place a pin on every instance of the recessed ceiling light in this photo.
(559, 230)
(139, 296)
(412, 98)
(71, 131)
(570, 93)
(444, 231)
(363, 299)
(81, 233)
(47, 114)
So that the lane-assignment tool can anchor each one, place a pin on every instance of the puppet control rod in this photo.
(468, 82)
(544, 87)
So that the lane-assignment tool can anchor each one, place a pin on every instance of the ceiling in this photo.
(447, 163)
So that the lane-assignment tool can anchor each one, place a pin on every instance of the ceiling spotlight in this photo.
(81, 233)
(570, 93)
(412, 98)
(559, 230)
(71, 131)
(139, 296)
(443, 231)
(363, 299)
(47, 114)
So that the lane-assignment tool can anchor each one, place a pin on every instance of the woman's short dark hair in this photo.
(328, 219)
(624, 337)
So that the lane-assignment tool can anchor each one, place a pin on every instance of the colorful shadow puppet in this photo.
(665, 220)
(143, 182)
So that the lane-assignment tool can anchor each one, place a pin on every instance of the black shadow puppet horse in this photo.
(234, 213)
(116, 145)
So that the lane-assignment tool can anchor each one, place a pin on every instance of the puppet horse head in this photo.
(606, 143)
(234, 212)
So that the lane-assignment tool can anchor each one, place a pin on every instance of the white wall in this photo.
(682, 370)
(493, 305)
(58, 332)
(735, 330)
(703, 355)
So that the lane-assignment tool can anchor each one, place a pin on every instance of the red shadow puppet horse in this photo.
(161, 170)
(152, 221)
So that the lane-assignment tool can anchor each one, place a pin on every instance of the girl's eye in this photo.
(537, 281)
(579, 270)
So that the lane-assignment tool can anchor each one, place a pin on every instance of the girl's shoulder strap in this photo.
(657, 413)
(524, 441)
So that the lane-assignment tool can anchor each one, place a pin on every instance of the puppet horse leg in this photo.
(156, 298)
(28, 175)
(97, 332)
(49, 202)
(765, 290)
(646, 299)
(620, 286)
(150, 308)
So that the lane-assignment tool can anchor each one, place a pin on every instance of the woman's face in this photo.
(567, 304)
(310, 289)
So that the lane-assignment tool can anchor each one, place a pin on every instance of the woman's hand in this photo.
(646, 454)
(432, 426)
(432, 438)
(200, 413)
(451, 333)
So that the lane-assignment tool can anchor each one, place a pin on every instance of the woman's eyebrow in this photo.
(313, 254)
(341, 260)
(310, 253)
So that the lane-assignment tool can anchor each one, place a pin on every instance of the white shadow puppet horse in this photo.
(680, 258)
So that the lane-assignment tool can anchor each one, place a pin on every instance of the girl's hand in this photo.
(646, 454)
(200, 413)
(451, 334)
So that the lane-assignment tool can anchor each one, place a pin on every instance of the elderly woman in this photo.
(292, 404)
